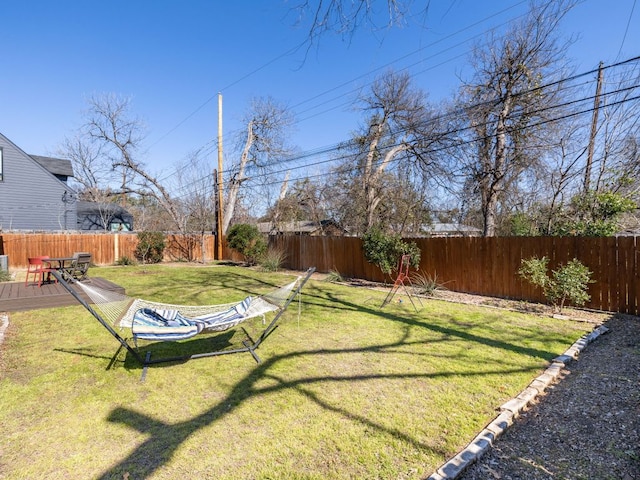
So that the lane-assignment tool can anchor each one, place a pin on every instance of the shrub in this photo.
(334, 276)
(247, 240)
(425, 284)
(5, 276)
(272, 259)
(385, 250)
(150, 248)
(124, 260)
(594, 214)
(568, 282)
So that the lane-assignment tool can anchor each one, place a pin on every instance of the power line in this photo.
(297, 47)
(342, 145)
(330, 148)
(334, 147)
(474, 140)
(626, 30)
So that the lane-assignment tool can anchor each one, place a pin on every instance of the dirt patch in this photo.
(578, 314)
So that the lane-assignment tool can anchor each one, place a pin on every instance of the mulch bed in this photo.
(587, 426)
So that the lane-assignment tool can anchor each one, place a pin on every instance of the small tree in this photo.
(150, 248)
(248, 241)
(384, 250)
(568, 282)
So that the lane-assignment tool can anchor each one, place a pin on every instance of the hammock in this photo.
(161, 321)
(156, 321)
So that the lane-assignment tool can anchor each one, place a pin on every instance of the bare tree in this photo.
(397, 115)
(404, 199)
(193, 187)
(617, 136)
(91, 175)
(563, 200)
(118, 137)
(93, 179)
(345, 17)
(344, 198)
(505, 100)
(264, 144)
(561, 176)
(303, 201)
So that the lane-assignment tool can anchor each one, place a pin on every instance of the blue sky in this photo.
(173, 57)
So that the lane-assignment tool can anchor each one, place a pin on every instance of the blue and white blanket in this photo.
(162, 325)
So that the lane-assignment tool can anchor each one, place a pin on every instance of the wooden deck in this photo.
(15, 296)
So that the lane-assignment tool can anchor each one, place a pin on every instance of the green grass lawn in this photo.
(345, 390)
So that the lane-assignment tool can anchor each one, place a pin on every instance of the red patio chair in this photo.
(37, 267)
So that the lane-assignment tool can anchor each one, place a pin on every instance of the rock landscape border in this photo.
(510, 410)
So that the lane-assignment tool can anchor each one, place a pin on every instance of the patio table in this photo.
(61, 264)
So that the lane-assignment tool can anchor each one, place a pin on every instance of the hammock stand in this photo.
(249, 344)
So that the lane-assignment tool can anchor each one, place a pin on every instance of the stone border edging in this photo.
(4, 324)
(452, 469)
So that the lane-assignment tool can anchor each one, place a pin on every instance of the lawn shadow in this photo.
(204, 343)
(454, 330)
(242, 283)
(164, 439)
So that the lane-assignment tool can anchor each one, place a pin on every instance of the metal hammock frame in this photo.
(120, 308)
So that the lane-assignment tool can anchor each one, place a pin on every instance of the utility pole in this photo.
(220, 209)
(594, 128)
(214, 197)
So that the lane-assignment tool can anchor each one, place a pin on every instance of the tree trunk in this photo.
(234, 184)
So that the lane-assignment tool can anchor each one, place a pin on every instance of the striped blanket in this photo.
(171, 325)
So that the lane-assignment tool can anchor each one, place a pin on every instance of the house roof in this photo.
(451, 228)
(302, 226)
(56, 166)
(88, 208)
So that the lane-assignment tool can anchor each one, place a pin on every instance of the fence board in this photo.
(105, 249)
(486, 266)
(624, 271)
(489, 266)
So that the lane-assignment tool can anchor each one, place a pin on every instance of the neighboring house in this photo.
(451, 230)
(103, 216)
(34, 194)
(304, 227)
(61, 169)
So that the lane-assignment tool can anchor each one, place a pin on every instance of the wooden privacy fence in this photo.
(485, 266)
(488, 266)
(105, 249)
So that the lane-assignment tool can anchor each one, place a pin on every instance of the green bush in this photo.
(595, 214)
(150, 248)
(5, 276)
(384, 250)
(124, 260)
(248, 241)
(568, 282)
